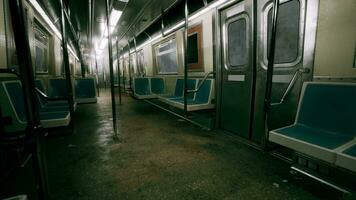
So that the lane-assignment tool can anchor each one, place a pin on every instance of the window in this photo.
(41, 49)
(166, 57)
(237, 53)
(287, 35)
(195, 51)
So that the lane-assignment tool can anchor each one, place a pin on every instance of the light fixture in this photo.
(181, 23)
(43, 14)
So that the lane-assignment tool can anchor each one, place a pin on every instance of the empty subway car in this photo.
(133, 99)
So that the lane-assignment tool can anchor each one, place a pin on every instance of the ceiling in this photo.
(88, 19)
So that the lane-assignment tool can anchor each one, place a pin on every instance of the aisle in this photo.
(158, 157)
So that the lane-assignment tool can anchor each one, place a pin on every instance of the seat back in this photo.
(85, 88)
(157, 85)
(179, 90)
(204, 93)
(329, 106)
(142, 86)
(57, 87)
(15, 95)
(39, 85)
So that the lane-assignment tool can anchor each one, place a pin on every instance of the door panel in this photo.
(237, 71)
(288, 60)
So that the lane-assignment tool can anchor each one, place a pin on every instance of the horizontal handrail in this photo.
(42, 94)
(292, 82)
(201, 82)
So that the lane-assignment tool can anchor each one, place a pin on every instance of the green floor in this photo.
(161, 157)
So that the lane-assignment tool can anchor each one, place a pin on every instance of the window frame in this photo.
(199, 66)
(161, 44)
(38, 28)
(229, 21)
(289, 65)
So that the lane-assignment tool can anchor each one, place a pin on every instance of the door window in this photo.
(237, 50)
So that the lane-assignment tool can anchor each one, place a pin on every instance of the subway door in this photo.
(293, 54)
(236, 68)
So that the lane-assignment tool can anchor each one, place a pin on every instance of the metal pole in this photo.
(130, 81)
(28, 86)
(137, 68)
(97, 74)
(270, 67)
(123, 72)
(82, 67)
(66, 66)
(186, 57)
(113, 104)
(118, 68)
(2, 125)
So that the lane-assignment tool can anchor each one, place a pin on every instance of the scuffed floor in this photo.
(160, 157)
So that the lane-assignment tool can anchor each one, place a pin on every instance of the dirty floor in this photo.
(159, 156)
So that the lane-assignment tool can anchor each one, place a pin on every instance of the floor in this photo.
(158, 156)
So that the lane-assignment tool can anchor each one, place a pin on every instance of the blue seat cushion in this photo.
(53, 115)
(142, 86)
(319, 137)
(351, 151)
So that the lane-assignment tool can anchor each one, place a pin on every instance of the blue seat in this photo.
(325, 121)
(85, 90)
(142, 88)
(200, 100)
(157, 85)
(346, 157)
(56, 105)
(14, 101)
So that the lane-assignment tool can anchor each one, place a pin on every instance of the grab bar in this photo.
(42, 94)
(201, 83)
(292, 82)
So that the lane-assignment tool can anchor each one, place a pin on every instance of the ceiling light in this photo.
(115, 17)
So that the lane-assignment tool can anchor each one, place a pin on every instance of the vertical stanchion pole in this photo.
(112, 86)
(270, 67)
(186, 57)
(28, 86)
(66, 66)
(130, 80)
(97, 75)
(123, 73)
(118, 68)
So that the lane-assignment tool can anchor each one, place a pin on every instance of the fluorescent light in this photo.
(179, 25)
(114, 17)
(103, 43)
(43, 14)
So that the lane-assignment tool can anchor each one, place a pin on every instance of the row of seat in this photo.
(325, 125)
(155, 87)
(84, 89)
(53, 113)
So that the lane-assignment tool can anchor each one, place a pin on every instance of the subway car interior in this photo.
(177, 99)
